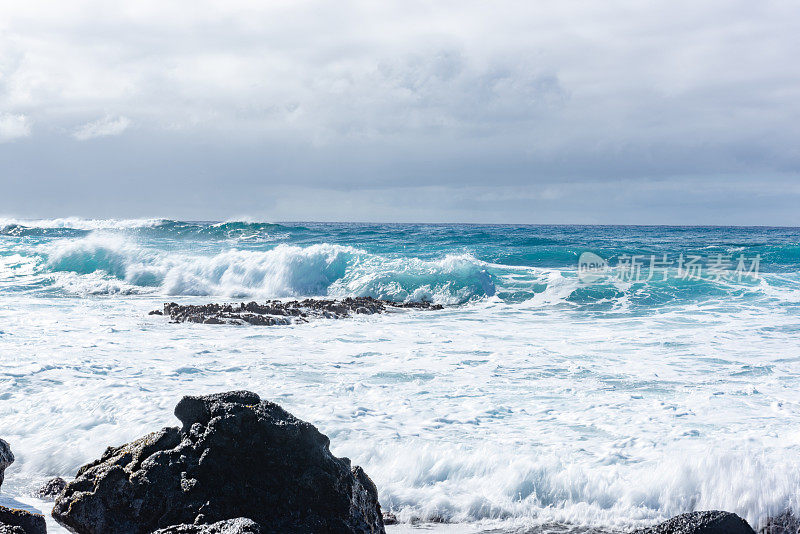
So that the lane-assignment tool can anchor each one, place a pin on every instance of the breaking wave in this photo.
(283, 271)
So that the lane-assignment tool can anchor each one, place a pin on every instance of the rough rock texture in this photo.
(50, 490)
(240, 525)
(6, 459)
(277, 312)
(711, 522)
(236, 456)
(29, 523)
(389, 518)
(7, 529)
(785, 523)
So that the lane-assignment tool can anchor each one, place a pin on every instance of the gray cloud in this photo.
(505, 111)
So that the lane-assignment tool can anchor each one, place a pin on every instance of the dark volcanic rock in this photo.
(6, 459)
(50, 490)
(25, 521)
(711, 522)
(235, 456)
(7, 529)
(389, 518)
(785, 523)
(278, 312)
(240, 525)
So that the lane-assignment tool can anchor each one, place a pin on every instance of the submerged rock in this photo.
(276, 312)
(236, 456)
(6, 458)
(710, 522)
(240, 525)
(50, 490)
(16, 521)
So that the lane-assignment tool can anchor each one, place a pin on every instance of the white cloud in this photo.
(105, 127)
(13, 127)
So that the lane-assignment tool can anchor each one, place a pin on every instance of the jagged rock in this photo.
(785, 523)
(389, 518)
(7, 529)
(240, 525)
(276, 312)
(6, 459)
(50, 490)
(27, 522)
(235, 456)
(710, 522)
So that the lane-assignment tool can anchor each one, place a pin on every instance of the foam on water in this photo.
(534, 400)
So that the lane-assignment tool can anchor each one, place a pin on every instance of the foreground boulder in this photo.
(711, 522)
(6, 459)
(21, 522)
(235, 457)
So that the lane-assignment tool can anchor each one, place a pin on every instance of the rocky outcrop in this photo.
(239, 525)
(6, 459)
(20, 521)
(235, 457)
(278, 312)
(711, 522)
(50, 490)
(785, 523)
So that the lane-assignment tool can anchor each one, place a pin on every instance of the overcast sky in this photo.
(555, 111)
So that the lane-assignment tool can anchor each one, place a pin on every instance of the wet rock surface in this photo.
(20, 521)
(276, 312)
(240, 525)
(50, 490)
(785, 523)
(710, 522)
(235, 456)
(6, 459)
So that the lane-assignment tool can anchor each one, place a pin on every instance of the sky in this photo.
(540, 111)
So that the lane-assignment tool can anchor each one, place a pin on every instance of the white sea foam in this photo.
(489, 413)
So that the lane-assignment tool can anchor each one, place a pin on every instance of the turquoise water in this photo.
(537, 397)
(452, 264)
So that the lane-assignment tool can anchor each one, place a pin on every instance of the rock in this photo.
(50, 490)
(235, 456)
(6, 459)
(6, 529)
(710, 522)
(389, 518)
(27, 522)
(240, 525)
(785, 523)
(276, 312)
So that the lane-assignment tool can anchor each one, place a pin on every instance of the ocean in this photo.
(550, 393)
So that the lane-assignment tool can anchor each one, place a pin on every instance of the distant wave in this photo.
(77, 223)
(77, 227)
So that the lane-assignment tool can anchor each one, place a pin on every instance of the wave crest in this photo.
(283, 271)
